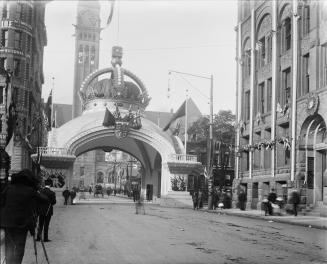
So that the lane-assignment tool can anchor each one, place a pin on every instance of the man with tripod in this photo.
(17, 215)
(46, 211)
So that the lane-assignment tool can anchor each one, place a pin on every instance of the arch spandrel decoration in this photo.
(285, 12)
(264, 26)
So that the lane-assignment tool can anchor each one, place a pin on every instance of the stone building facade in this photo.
(23, 38)
(281, 100)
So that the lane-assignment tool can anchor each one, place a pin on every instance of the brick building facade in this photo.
(23, 38)
(281, 100)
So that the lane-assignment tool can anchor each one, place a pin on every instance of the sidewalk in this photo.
(301, 220)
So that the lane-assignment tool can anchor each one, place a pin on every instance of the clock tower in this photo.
(87, 42)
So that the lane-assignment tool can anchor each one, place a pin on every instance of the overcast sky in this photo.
(196, 37)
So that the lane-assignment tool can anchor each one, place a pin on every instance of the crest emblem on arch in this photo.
(121, 129)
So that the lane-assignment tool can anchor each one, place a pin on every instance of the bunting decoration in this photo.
(111, 12)
(48, 111)
(267, 144)
(283, 110)
(242, 126)
(259, 118)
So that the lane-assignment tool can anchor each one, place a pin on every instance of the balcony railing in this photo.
(50, 151)
(182, 158)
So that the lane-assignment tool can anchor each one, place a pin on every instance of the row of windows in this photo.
(86, 36)
(19, 11)
(264, 44)
(86, 54)
(259, 161)
(16, 94)
(17, 67)
(263, 94)
(18, 40)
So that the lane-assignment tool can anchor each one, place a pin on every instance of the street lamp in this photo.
(209, 153)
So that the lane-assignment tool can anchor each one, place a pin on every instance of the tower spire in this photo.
(87, 45)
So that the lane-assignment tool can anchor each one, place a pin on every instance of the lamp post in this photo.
(209, 151)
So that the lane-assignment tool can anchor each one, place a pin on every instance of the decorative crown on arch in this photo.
(114, 88)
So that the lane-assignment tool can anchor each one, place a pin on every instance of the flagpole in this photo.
(185, 132)
(209, 162)
(52, 102)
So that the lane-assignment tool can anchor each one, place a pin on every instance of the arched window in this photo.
(264, 44)
(246, 58)
(86, 54)
(100, 177)
(92, 58)
(286, 29)
(80, 54)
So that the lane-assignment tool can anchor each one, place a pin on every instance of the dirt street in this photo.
(113, 233)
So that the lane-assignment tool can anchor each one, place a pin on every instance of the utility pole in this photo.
(210, 145)
(209, 152)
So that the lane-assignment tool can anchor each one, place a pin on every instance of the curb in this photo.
(278, 220)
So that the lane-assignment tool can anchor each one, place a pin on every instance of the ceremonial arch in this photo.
(113, 101)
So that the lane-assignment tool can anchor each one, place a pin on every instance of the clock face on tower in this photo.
(87, 19)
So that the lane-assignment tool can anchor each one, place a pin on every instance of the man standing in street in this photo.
(46, 211)
(295, 199)
(242, 199)
(18, 213)
(272, 196)
(72, 195)
(66, 194)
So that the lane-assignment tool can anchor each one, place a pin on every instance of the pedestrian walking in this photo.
(66, 194)
(265, 203)
(46, 212)
(135, 195)
(139, 205)
(272, 196)
(18, 213)
(200, 199)
(195, 199)
(295, 200)
(72, 195)
(215, 198)
(242, 200)
(90, 190)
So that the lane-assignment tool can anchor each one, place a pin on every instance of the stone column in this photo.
(294, 87)
(252, 88)
(273, 83)
(165, 179)
(249, 196)
(260, 195)
(238, 95)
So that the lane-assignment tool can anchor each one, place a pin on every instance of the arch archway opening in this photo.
(120, 165)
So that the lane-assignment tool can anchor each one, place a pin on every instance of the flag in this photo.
(279, 108)
(48, 110)
(10, 146)
(109, 119)
(180, 112)
(258, 45)
(12, 119)
(54, 121)
(205, 173)
(111, 12)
